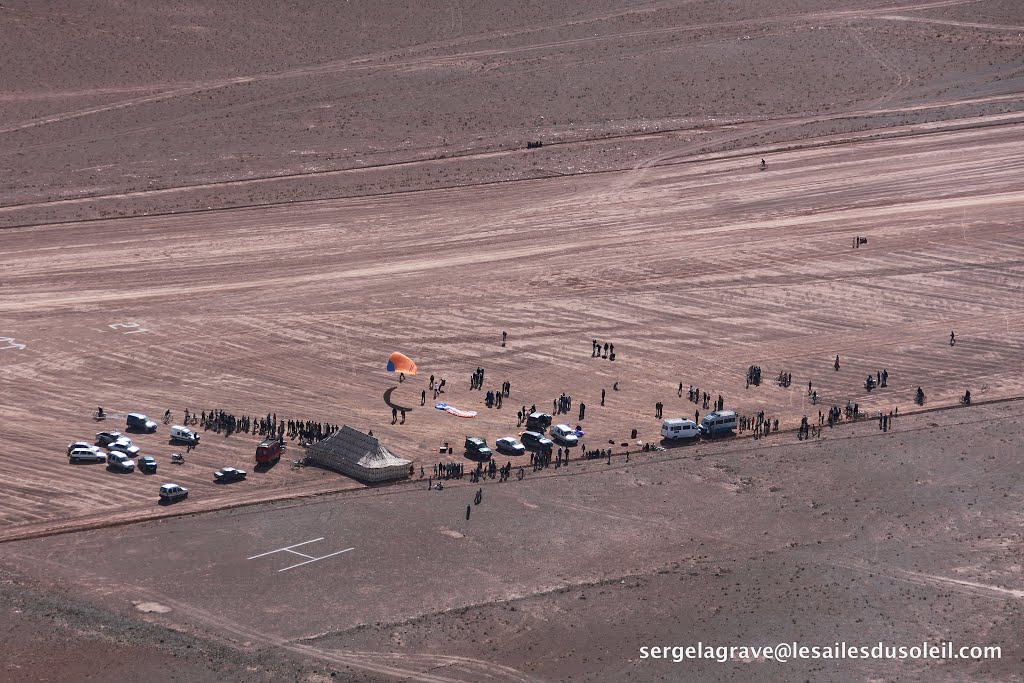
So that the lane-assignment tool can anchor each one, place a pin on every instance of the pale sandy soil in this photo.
(275, 199)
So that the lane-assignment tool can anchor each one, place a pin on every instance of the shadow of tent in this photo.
(387, 399)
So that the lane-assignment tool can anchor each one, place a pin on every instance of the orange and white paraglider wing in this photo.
(399, 362)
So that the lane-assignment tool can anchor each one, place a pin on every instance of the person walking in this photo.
(837, 362)
(952, 338)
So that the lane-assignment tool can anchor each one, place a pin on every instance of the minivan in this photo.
(679, 428)
(717, 423)
(137, 422)
(184, 435)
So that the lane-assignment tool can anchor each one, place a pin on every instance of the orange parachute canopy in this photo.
(399, 362)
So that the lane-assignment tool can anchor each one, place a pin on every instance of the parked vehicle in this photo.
(477, 448)
(106, 438)
(172, 492)
(120, 462)
(137, 422)
(87, 455)
(124, 445)
(146, 464)
(228, 474)
(535, 441)
(564, 434)
(538, 422)
(679, 428)
(510, 445)
(721, 422)
(184, 435)
(269, 450)
(79, 445)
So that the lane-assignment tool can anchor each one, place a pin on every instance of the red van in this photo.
(269, 450)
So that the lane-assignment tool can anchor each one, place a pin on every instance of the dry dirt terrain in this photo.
(247, 207)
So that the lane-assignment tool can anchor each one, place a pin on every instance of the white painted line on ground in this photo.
(296, 552)
(315, 559)
(285, 548)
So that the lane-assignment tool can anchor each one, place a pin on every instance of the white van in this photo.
(721, 422)
(184, 435)
(679, 428)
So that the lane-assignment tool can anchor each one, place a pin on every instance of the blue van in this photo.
(721, 422)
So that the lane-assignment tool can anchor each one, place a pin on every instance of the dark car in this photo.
(536, 441)
(137, 422)
(106, 438)
(538, 422)
(228, 474)
(477, 448)
(146, 464)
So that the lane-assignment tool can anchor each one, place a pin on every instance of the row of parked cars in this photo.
(533, 439)
(118, 455)
(120, 451)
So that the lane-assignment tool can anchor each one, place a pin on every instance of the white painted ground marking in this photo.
(309, 558)
(10, 344)
(289, 547)
(315, 559)
(116, 326)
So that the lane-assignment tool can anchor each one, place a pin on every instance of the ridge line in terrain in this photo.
(868, 135)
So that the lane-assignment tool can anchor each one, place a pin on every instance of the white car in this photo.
(82, 445)
(564, 434)
(87, 455)
(120, 461)
(124, 445)
(510, 445)
(172, 492)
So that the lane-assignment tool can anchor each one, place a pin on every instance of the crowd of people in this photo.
(223, 422)
(595, 351)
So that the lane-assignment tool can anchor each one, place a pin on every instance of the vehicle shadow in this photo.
(670, 444)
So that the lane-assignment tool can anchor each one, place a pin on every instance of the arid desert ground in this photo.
(248, 206)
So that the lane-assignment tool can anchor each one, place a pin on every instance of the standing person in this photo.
(680, 392)
(504, 337)
(952, 339)
(583, 409)
(837, 362)
(394, 415)
(602, 397)
(423, 397)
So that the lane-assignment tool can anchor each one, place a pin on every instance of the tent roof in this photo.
(358, 449)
